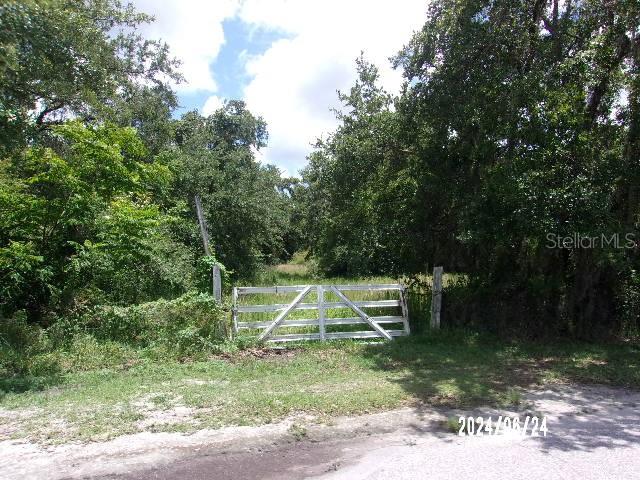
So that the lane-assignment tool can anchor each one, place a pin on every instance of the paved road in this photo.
(594, 433)
(590, 436)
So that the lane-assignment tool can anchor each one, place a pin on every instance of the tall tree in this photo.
(70, 58)
(245, 207)
(360, 197)
(518, 121)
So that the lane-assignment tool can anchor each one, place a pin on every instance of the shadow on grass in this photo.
(27, 383)
(458, 370)
(452, 369)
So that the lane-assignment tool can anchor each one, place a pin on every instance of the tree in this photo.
(97, 180)
(245, 208)
(71, 58)
(512, 126)
(83, 219)
(520, 100)
(360, 196)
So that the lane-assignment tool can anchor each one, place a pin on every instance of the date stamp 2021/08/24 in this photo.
(478, 426)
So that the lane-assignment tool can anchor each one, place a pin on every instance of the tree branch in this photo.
(595, 96)
(47, 111)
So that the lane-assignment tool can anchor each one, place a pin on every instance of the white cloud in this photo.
(212, 104)
(293, 84)
(295, 81)
(193, 30)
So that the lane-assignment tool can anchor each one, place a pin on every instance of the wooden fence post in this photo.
(436, 297)
(405, 309)
(234, 310)
(216, 281)
(203, 226)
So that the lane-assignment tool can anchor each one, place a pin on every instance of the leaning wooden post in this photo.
(436, 297)
(215, 271)
(203, 226)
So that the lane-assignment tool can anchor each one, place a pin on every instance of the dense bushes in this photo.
(100, 209)
(190, 321)
(193, 325)
(84, 222)
(470, 304)
(511, 312)
(519, 122)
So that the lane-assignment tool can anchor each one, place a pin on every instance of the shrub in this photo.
(19, 343)
(110, 336)
(87, 353)
(190, 323)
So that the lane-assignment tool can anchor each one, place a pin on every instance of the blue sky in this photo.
(285, 58)
(241, 41)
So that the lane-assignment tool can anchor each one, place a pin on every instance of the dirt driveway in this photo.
(593, 433)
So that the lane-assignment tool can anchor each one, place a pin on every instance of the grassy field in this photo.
(260, 385)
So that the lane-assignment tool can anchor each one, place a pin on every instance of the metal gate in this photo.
(323, 307)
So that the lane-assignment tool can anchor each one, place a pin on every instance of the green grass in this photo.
(262, 386)
(141, 390)
(452, 424)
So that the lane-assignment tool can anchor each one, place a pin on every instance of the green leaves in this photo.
(60, 59)
(88, 222)
(20, 268)
(518, 119)
(247, 211)
(359, 194)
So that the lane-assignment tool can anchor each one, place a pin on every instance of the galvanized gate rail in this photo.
(322, 306)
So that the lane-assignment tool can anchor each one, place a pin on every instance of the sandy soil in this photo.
(594, 432)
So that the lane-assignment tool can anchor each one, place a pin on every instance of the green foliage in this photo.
(358, 193)
(134, 258)
(327, 379)
(81, 223)
(20, 344)
(99, 210)
(452, 424)
(205, 272)
(191, 326)
(518, 120)
(512, 398)
(191, 321)
(20, 270)
(246, 204)
(630, 298)
(71, 57)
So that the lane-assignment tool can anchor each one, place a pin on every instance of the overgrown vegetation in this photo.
(516, 132)
(98, 180)
(519, 122)
(192, 326)
(254, 386)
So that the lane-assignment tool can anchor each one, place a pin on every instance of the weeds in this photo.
(298, 431)
(511, 398)
(452, 424)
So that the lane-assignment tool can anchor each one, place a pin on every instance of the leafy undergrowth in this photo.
(256, 386)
